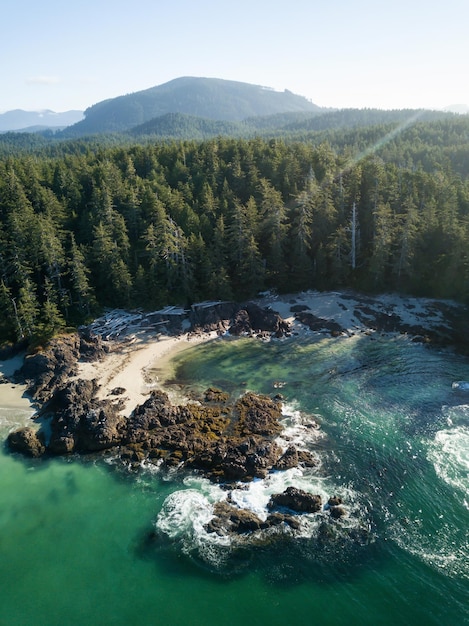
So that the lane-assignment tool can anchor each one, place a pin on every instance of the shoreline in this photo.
(126, 367)
(16, 407)
(124, 373)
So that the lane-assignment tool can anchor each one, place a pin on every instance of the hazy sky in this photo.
(64, 55)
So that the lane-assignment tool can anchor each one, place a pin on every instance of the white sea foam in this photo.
(438, 537)
(13, 418)
(299, 429)
(449, 454)
(185, 513)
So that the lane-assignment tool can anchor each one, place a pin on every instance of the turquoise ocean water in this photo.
(77, 536)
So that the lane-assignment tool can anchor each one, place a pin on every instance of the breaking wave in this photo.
(185, 513)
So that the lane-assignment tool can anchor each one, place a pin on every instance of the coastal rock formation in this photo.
(296, 500)
(227, 442)
(48, 370)
(239, 319)
(81, 423)
(286, 508)
(318, 323)
(252, 319)
(28, 441)
(228, 519)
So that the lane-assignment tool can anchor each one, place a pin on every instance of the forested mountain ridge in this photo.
(211, 98)
(85, 226)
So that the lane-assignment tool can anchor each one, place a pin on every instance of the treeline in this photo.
(150, 225)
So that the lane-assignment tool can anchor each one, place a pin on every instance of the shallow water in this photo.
(77, 541)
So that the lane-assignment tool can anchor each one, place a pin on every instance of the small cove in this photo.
(76, 534)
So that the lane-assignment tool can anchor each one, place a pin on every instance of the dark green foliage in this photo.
(83, 225)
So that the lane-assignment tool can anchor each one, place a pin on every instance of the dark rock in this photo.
(229, 460)
(241, 324)
(288, 460)
(318, 323)
(337, 512)
(117, 391)
(258, 415)
(276, 518)
(215, 395)
(212, 316)
(81, 423)
(334, 501)
(27, 441)
(306, 459)
(230, 519)
(49, 369)
(226, 442)
(253, 319)
(296, 500)
(92, 346)
(299, 308)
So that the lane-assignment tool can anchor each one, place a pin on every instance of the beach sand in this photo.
(129, 364)
(16, 408)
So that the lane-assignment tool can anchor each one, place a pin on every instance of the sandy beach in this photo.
(16, 409)
(127, 367)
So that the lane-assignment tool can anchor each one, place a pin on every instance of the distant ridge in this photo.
(209, 98)
(18, 119)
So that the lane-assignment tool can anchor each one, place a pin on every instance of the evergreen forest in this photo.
(93, 223)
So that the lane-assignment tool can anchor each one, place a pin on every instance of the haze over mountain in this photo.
(27, 120)
(199, 108)
(210, 98)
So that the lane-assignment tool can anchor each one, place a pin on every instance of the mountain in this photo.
(25, 120)
(209, 98)
(183, 126)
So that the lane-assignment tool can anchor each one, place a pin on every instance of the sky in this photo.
(345, 53)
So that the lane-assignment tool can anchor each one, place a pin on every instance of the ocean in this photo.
(85, 541)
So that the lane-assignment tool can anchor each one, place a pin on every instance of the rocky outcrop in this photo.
(318, 323)
(227, 442)
(296, 500)
(286, 509)
(229, 519)
(48, 370)
(240, 319)
(252, 319)
(81, 423)
(28, 441)
(212, 316)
